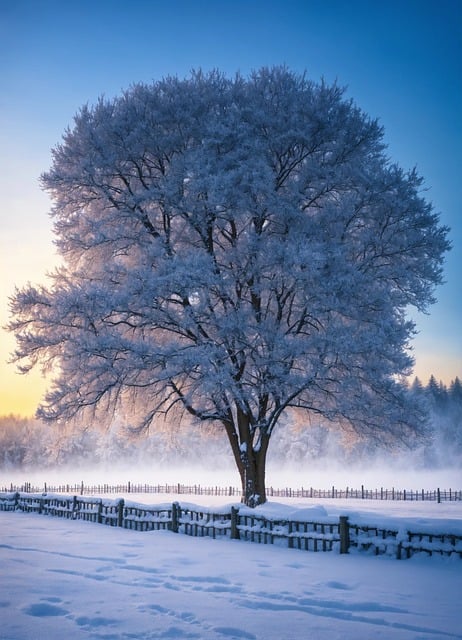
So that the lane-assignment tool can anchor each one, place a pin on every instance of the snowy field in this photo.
(71, 580)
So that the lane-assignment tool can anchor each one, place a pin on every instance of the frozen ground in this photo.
(71, 580)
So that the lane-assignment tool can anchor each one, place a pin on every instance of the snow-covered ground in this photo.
(63, 579)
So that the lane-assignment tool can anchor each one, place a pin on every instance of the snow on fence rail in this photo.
(435, 495)
(332, 534)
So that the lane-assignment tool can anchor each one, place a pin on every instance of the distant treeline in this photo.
(27, 443)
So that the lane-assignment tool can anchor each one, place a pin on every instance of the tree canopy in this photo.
(234, 247)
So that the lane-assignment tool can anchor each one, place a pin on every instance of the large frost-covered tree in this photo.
(236, 247)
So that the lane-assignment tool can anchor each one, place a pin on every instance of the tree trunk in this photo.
(252, 473)
(250, 459)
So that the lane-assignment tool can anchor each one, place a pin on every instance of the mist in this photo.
(215, 468)
(302, 454)
(319, 476)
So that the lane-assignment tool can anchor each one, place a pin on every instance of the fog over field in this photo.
(318, 476)
(302, 453)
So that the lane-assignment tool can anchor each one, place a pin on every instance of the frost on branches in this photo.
(234, 247)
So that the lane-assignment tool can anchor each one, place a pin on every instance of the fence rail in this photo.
(332, 534)
(434, 495)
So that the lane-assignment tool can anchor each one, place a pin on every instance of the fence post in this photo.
(175, 516)
(344, 531)
(120, 513)
(234, 521)
(438, 492)
(290, 540)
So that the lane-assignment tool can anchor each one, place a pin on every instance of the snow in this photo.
(72, 579)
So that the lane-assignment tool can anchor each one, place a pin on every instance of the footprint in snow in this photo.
(235, 634)
(333, 584)
(44, 609)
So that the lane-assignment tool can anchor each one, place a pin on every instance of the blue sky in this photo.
(401, 62)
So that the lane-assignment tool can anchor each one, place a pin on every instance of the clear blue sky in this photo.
(401, 61)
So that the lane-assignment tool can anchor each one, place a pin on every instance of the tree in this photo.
(455, 391)
(437, 393)
(234, 247)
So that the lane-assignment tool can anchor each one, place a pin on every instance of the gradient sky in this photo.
(401, 61)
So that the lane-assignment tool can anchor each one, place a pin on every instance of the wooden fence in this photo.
(435, 495)
(331, 534)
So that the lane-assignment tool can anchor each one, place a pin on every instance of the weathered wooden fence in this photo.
(435, 495)
(331, 534)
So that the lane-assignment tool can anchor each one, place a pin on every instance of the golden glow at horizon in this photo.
(21, 394)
